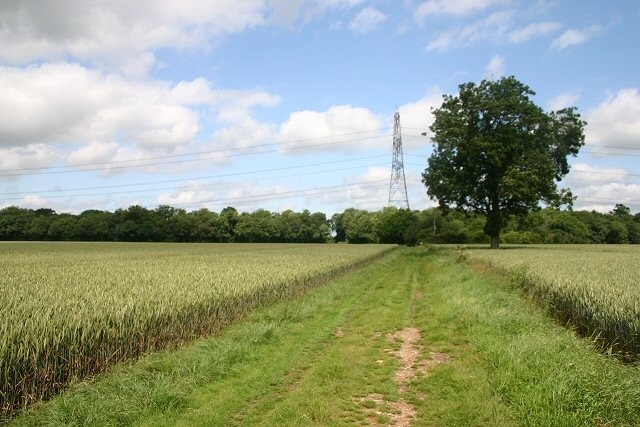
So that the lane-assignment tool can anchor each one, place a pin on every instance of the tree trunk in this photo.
(493, 225)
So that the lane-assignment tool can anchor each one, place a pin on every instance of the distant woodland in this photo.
(389, 225)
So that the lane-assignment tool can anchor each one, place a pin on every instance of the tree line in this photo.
(549, 225)
(388, 225)
(164, 224)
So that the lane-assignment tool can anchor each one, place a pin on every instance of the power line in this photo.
(151, 190)
(240, 151)
(246, 151)
(254, 198)
(618, 174)
(226, 175)
(605, 201)
(610, 153)
(283, 195)
(235, 152)
(621, 174)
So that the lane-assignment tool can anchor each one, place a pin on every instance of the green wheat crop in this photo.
(70, 310)
(594, 288)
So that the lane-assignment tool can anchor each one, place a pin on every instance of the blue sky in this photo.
(289, 104)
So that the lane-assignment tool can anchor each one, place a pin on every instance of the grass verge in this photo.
(414, 338)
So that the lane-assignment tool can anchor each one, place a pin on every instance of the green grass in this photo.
(326, 358)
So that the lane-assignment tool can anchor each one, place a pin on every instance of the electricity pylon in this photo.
(398, 185)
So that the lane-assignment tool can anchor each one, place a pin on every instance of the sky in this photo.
(289, 104)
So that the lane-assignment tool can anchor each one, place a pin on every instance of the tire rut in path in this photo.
(308, 356)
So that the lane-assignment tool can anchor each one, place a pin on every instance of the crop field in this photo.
(593, 288)
(70, 310)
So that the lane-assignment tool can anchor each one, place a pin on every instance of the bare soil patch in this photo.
(407, 354)
(381, 411)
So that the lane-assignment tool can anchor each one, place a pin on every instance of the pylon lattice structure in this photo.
(398, 185)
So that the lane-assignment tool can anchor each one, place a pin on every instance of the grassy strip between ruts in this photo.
(414, 339)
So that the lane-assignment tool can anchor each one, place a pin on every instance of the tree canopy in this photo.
(498, 154)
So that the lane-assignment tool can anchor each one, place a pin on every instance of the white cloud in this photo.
(601, 188)
(341, 127)
(73, 205)
(373, 174)
(585, 175)
(613, 127)
(564, 100)
(235, 105)
(120, 31)
(499, 28)
(616, 121)
(14, 160)
(367, 20)
(69, 103)
(453, 7)
(247, 134)
(573, 37)
(604, 198)
(138, 66)
(347, 128)
(192, 193)
(338, 3)
(288, 12)
(531, 31)
(495, 68)
(93, 152)
(368, 191)
(195, 92)
(33, 202)
(442, 42)
(416, 117)
(66, 103)
(123, 35)
(494, 28)
(245, 196)
(251, 195)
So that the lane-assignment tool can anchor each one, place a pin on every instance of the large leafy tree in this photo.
(499, 154)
